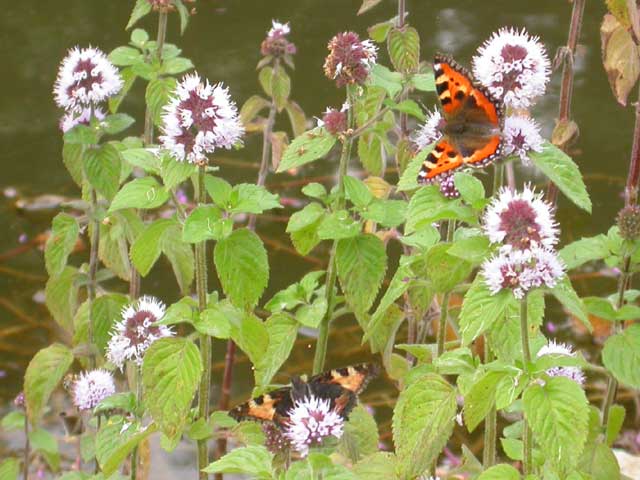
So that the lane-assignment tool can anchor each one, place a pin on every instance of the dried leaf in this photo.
(620, 57)
(279, 142)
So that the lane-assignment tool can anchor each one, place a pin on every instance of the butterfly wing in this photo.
(272, 406)
(473, 120)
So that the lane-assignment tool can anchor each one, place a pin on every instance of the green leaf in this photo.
(174, 66)
(83, 135)
(423, 420)
(106, 311)
(378, 32)
(388, 213)
(180, 256)
(481, 309)
(562, 171)
(473, 249)
(318, 466)
(409, 178)
(480, 398)
(44, 372)
(303, 226)
(584, 250)
(218, 320)
(280, 87)
(444, 270)
(367, 5)
(171, 372)
(282, 330)
(360, 437)
(146, 249)
(357, 191)
(10, 469)
(143, 192)
(567, 296)
(361, 263)
(242, 266)
(378, 466)
(254, 460)
(252, 107)
(601, 464)
(423, 82)
(142, 158)
(157, 95)
(407, 106)
(558, 413)
(115, 441)
(203, 223)
(621, 356)
(61, 242)
(500, 472)
(338, 225)
(72, 154)
(470, 188)
(140, 9)
(309, 146)
(249, 198)
(428, 205)
(125, 56)
(381, 76)
(174, 172)
(600, 307)
(46, 444)
(102, 169)
(251, 336)
(614, 425)
(61, 297)
(13, 421)
(310, 315)
(297, 118)
(404, 48)
(116, 123)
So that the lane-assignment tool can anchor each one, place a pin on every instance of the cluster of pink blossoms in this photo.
(277, 44)
(86, 79)
(350, 59)
(523, 223)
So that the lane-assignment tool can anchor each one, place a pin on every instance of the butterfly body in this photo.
(471, 125)
(340, 387)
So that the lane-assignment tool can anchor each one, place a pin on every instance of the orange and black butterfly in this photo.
(341, 386)
(472, 126)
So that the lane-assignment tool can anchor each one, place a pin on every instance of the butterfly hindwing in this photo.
(472, 123)
(340, 387)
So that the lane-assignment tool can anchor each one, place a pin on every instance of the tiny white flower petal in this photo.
(521, 136)
(428, 132)
(573, 373)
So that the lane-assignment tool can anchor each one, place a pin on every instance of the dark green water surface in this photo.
(223, 41)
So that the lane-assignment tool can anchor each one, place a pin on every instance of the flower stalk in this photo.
(526, 360)
(205, 340)
(444, 307)
(93, 270)
(331, 275)
(566, 84)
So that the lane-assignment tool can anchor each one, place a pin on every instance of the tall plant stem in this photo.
(227, 377)
(566, 84)
(490, 423)
(330, 282)
(93, 270)
(402, 11)
(205, 340)
(631, 189)
(444, 306)
(612, 383)
(134, 454)
(27, 449)
(526, 358)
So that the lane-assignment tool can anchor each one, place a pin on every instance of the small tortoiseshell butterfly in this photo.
(341, 386)
(473, 121)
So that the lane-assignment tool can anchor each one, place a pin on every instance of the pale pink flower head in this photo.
(199, 119)
(428, 132)
(311, 420)
(277, 44)
(334, 120)
(91, 388)
(572, 373)
(85, 78)
(520, 220)
(350, 59)
(514, 66)
(136, 331)
(521, 135)
(522, 271)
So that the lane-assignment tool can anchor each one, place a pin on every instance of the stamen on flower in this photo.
(91, 388)
(521, 136)
(573, 373)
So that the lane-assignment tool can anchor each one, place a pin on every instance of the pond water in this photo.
(223, 41)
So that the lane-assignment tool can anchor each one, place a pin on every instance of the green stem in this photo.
(27, 449)
(444, 306)
(612, 383)
(93, 270)
(490, 423)
(330, 282)
(134, 454)
(526, 358)
(205, 340)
